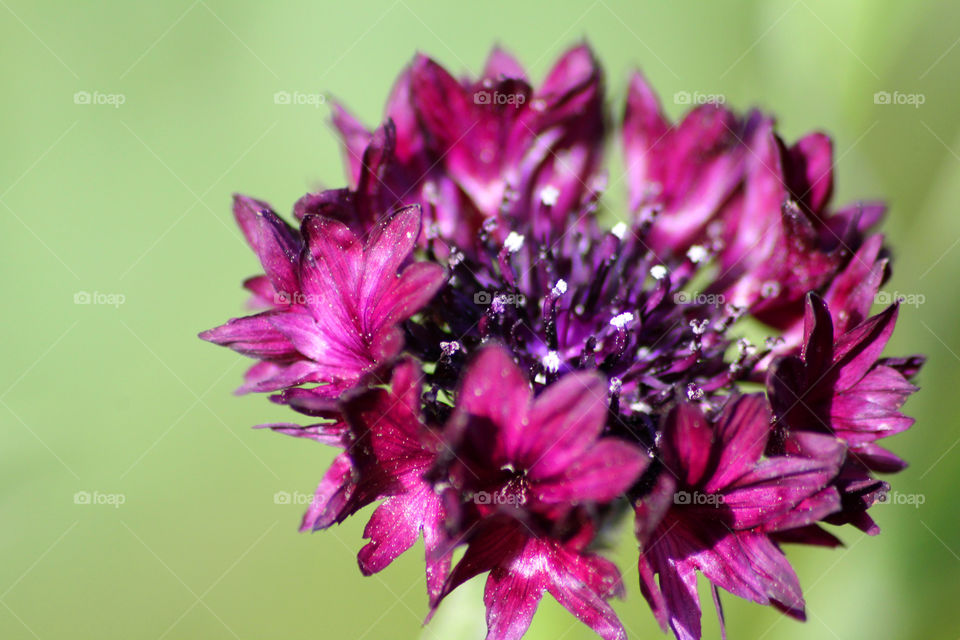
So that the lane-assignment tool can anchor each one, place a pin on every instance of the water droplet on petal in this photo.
(770, 289)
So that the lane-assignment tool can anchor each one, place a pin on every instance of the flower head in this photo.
(502, 371)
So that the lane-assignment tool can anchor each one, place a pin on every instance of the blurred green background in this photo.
(124, 403)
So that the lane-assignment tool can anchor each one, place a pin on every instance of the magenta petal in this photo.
(644, 128)
(563, 422)
(337, 253)
(264, 296)
(812, 159)
(355, 139)
(500, 64)
(493, 374)
(332, 495)
(400, 111)
(811, 534)
(602, 473)
(253, 336)
(743, 430)
(678, 584)
(289, 375)
(301, 330)
(854, 290)
(858, 350)
(278, 248)
(650, 510)
(391, 451)
(750, 566)
(576, 583)
(395, 526)
(246, 212)
(389, 244)
(414, 288)
(775, 486)
(329, 433)
(512, 595)
(878, 459)
(688, 443)
(816, 507)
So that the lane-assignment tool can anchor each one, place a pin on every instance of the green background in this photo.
(135, 200)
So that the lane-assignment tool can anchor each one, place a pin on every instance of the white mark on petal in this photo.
(514, 242)
(549, 195)
(551, 362)
(621, 320)
(697, 254)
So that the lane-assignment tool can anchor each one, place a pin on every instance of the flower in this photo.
(687, 172)
(522, 471)
(338, 300)
(474, 149)
(839, 385)
(502, 371)
(716, 506)
(388, 451)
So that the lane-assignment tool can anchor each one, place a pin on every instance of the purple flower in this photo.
(716, 506)
(688, 172)
(523, 471)
(780, 238)
(338, 300)
(840, 385)
(504, 373)
(469, 150)
(388, 451)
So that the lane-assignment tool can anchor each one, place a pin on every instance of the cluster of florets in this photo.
(504, 372)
